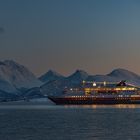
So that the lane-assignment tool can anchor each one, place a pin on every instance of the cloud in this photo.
(2, 30)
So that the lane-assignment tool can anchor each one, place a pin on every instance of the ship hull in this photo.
(91, 100)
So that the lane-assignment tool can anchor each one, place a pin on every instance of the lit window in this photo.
(94, 84)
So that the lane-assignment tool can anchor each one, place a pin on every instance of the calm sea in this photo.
(51, 122)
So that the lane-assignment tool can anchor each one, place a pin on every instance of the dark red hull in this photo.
(94, 100)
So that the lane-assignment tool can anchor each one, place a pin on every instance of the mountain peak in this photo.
(78, 75)
(123, 73)
(120, 70)
(50, 76)
(52, 72)
(81, 72)
(10, 62)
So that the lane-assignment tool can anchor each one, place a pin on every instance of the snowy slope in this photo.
(78, 76)
(50, 76)
(7, 87)
(17, 75)
(117, 75)
(56, 87)
(123, 74)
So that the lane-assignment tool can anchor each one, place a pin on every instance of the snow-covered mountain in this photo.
(117, 75)
(56, 87)
(124, 74)
(17, 76)
(74, 80)
(7, 87)
(50, 76)
(14, 77)
(78, 76)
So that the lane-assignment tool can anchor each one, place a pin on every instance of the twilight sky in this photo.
(64, 35)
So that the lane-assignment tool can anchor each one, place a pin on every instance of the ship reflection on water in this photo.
(119, 106)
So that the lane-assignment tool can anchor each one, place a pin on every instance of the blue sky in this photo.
(64, 35)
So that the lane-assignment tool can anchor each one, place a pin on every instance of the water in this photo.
(51, 122)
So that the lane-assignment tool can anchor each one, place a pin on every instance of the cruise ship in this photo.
(91, 92)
